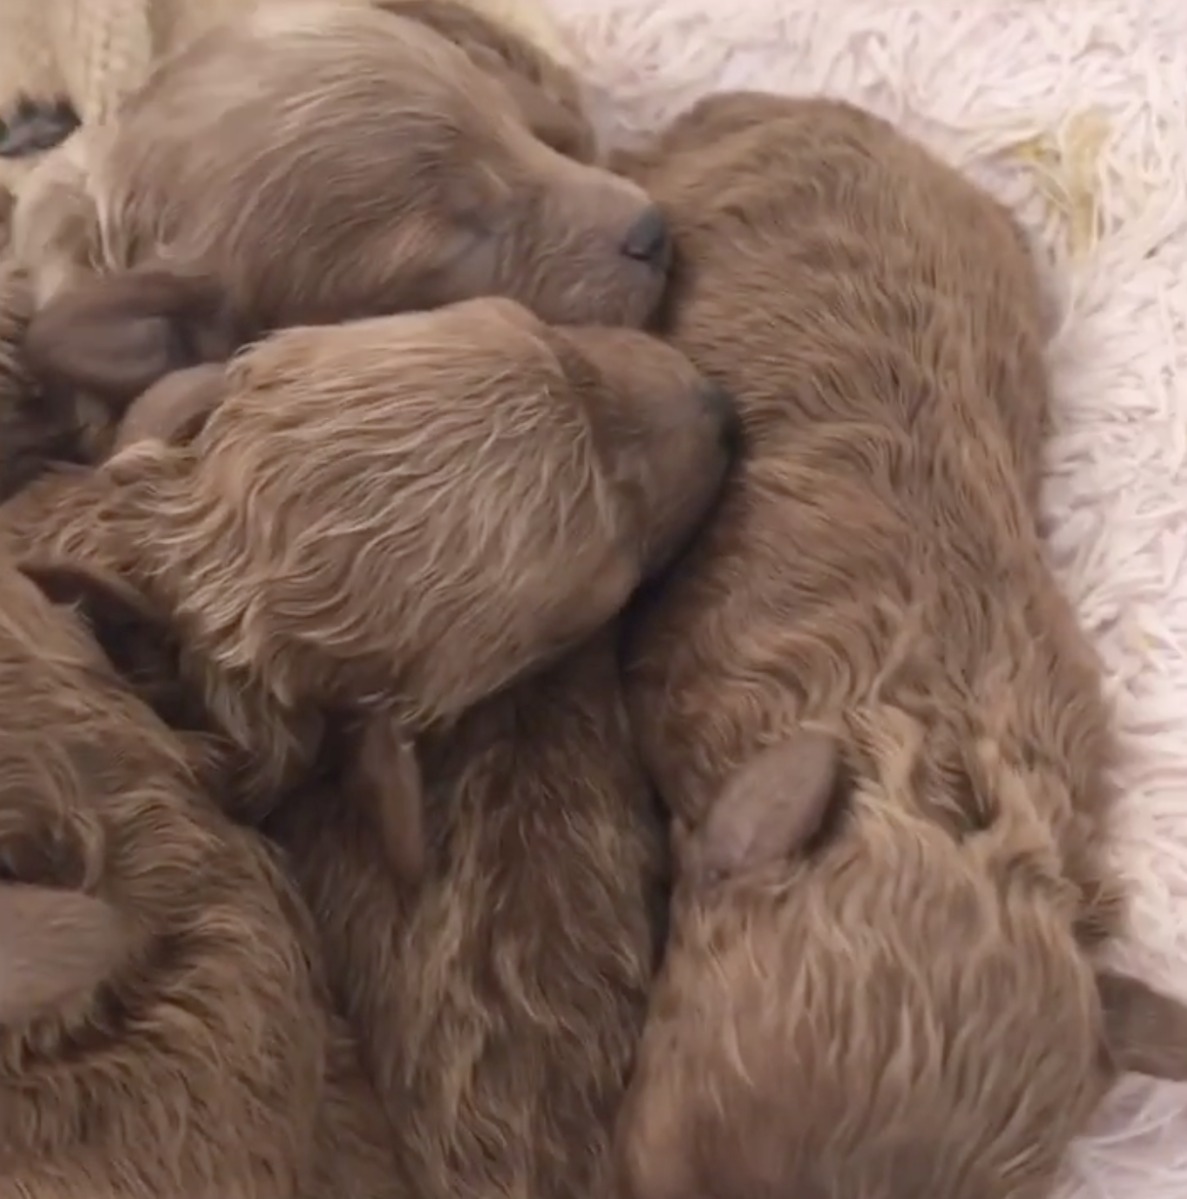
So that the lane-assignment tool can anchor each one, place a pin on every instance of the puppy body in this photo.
(500, 1005)
(159, 1029)
(908, 1005)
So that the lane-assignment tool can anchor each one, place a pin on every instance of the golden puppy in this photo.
(313, 162)
(867, 703)
(384, 522)
(499, 1005)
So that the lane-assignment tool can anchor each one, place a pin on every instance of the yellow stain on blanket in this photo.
(1067, 168)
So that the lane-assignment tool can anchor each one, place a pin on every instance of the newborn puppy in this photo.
(499, 1005)
(309, 163)
(384, 522)
(867, 702)
(159, 1029)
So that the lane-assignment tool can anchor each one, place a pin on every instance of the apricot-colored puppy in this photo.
(864, 696)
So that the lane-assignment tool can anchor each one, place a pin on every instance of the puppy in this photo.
(309, 163)
(866, 701)
(499, 1004)
(159, 1029)
(384, 522)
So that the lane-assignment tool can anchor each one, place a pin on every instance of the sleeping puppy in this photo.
(314, 162)
(866, 702)
(499, 1004)
(383, 522)
(162, 1026)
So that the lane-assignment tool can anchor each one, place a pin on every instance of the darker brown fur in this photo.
(161, 1030)
(910, 1003)
(319, 162)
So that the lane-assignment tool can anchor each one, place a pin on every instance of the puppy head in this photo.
(898, 1009)
(428, 505)
(321, 162)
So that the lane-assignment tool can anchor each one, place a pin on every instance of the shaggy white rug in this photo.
(1075, 112)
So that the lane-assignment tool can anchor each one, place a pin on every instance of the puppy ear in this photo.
(114, 336)
(387, 779)
(1145, 1031)
(174, 409)
(565, 131)
(56, 947)
(767, 810)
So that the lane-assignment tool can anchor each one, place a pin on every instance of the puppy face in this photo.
(323, 162)
(428, 505)
(859, 1018)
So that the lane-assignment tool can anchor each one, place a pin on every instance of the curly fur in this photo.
(392, 519)
(908, 1002)
(160, 1031)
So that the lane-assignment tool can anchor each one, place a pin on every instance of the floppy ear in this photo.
(55, 948)
(114, 336)
(1145, 1031)
(386, 778)
(175, 408)
(548, 119)
(767, 810)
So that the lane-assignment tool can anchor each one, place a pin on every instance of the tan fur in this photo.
(905, 1005)
(161, 1031)
(316, 162)
(395, 518)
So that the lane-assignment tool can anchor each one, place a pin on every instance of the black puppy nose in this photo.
(720, 406)
(649, 240)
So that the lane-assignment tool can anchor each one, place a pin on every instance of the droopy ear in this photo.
(55, 947)
(768, 809)
(174, 409)
(114, 336)
(138, 639)
(565, 131)
(1145, 1031)
(387, 779)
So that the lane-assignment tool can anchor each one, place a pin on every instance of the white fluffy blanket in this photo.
(1075, 112)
